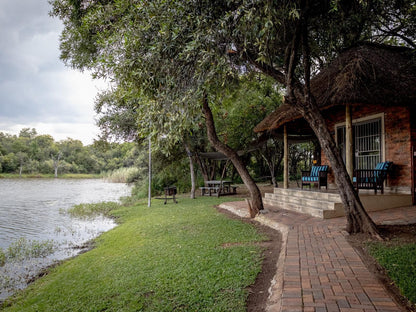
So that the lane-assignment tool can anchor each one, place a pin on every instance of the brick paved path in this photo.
(318, 270)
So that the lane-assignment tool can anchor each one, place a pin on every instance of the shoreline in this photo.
(50, 176)
(35, 268)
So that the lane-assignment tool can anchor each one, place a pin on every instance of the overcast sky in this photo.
(36, 89)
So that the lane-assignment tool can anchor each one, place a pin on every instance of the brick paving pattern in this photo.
(318, 270)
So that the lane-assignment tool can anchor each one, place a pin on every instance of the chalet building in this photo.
(368, 99)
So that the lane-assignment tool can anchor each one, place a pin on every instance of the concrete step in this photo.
(313, 211)
(319, 195)
(315, 203)
(327, 204)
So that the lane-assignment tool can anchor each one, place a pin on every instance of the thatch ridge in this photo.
(364, 74)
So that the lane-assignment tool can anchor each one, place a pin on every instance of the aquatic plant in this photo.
(2, 257)
(25, 249)
(92, 210)
(122, 175)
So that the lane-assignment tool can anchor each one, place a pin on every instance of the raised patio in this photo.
(327, 204)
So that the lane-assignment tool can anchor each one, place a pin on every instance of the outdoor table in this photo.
(217, 187)
(223, 186)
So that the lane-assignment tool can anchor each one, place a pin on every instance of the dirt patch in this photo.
(259, 291)
(393, 235)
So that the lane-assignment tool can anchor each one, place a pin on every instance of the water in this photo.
(35, 209)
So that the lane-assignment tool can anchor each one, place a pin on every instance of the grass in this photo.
(174, 257)
(400, 263)
(93, 209)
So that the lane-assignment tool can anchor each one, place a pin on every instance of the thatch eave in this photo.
(366, 74)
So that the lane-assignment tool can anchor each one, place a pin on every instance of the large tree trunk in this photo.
(256, 200)
(358, 221)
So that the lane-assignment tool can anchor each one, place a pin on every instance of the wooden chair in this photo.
(372, 179)
(317, 175)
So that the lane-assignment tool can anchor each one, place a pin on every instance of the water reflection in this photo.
(35, 209)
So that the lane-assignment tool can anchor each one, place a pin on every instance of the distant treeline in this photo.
(30, 153)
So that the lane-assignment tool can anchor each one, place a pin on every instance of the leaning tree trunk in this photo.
(256, 199)
(358, 221)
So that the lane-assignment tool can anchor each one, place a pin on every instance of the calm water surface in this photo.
(35, 209)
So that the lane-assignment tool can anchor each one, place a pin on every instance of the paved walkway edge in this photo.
(317, 269)
(275, 290)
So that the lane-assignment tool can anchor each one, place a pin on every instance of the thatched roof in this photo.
(366, 74)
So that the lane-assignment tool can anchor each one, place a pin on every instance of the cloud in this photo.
(35, 86)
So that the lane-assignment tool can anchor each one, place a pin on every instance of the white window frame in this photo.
(364, 119)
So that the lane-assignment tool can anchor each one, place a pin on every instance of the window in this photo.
(367, 143)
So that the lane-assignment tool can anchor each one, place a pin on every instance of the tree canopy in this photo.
(167, 59)
(31, 153)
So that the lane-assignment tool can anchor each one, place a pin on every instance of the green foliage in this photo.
(2, 257)
(400, 264)
(243, 106)
(94, 209)
(122, 175)
(30, 153)
(164, 57)
(175, 257)
(26, 249)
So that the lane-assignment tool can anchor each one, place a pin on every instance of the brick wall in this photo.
(399, 135)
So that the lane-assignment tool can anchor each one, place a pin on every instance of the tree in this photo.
(179, 53)
(243, 105)
(56, 162)
(153, 54)
(296, 38)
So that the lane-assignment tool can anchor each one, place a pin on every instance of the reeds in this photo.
(122, 175)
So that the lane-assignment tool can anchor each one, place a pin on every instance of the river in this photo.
(35, 210)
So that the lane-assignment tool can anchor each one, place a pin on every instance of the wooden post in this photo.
(285, 159)
(349, 153)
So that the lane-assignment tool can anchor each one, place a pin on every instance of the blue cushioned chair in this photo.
(317, 175)
(372, 179)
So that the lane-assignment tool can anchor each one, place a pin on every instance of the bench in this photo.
(372, 179)
(317, 175)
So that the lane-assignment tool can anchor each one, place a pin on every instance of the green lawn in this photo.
(400, 263)
(172, 257)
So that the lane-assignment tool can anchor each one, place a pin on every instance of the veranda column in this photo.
(349, 153)
(285, 159)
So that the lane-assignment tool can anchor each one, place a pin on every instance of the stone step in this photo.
(331, 196)
(313, 211)
(323, 203)
(315, 203)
